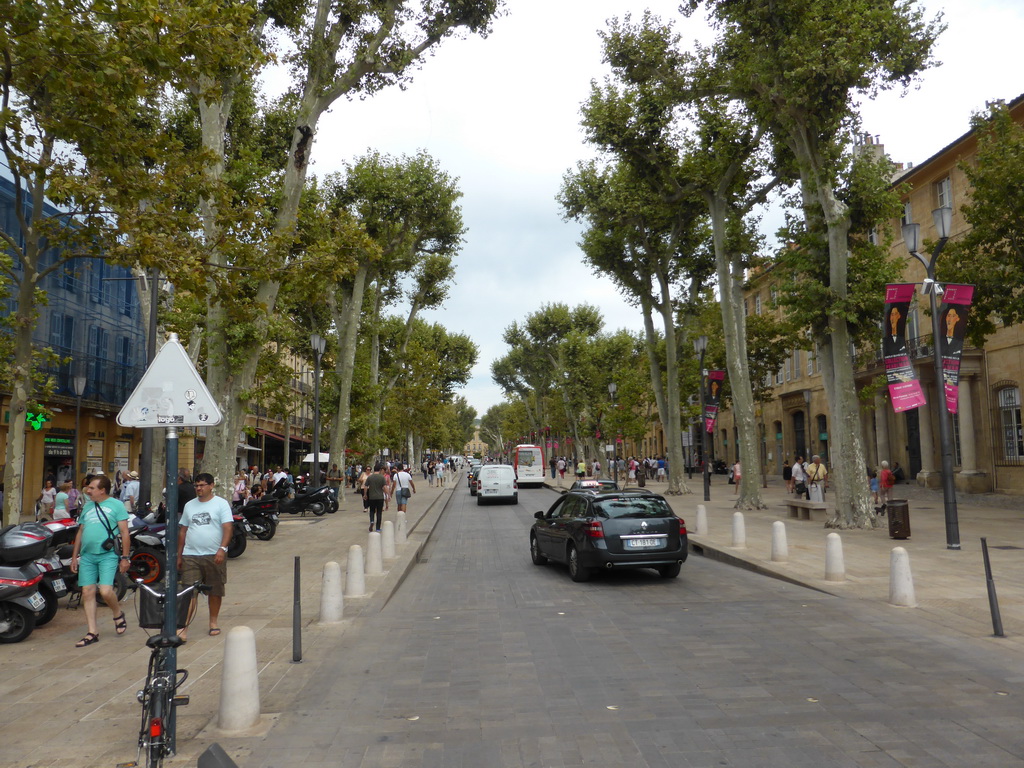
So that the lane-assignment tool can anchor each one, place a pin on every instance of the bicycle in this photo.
(159, 696)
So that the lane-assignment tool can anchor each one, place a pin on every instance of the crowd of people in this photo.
(629, 470)
(810, 480)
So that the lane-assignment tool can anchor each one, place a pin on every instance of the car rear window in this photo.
(633, 507)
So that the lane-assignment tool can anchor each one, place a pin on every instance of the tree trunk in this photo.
(346, 321)
(21, 394)
(671, 419)
(734, 324)
(853, 508)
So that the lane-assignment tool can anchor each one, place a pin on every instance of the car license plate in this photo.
(59, 586)
(36, 601)
(641, 543)
(490, 490)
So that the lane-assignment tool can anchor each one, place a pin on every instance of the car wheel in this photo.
(515, 498)
(576, 571)
(535, 554)
(669, 571)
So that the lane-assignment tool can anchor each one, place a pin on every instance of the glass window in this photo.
(796, 363)
(944, 193)
(1010, 423)
(757, 304)
(908, 214)
(633, 507)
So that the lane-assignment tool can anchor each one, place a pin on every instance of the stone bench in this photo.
(803, 509)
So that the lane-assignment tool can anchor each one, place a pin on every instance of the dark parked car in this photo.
(474, 480)
(588, 529)
(604, 485)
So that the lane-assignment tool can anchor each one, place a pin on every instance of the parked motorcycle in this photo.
(20, 599)
(319, 501)
(260, 517)
(239, 536)
(148, 552)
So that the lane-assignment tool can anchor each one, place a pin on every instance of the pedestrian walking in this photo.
(404, 488)
(377, 487)
(737, 471)
(100, 550)
(561, 471)
(886, 481)
(204, 531)
(787, 475)
(130, 492)
(46, 501)
(334, 479)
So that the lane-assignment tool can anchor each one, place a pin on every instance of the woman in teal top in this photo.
(60, 506)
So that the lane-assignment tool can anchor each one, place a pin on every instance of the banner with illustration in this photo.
(956, 305)
(904, 388)
(712, 395)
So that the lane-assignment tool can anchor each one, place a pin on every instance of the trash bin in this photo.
(898, 512)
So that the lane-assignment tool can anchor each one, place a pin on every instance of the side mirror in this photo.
(538, 515)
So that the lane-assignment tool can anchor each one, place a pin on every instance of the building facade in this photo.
(988, 449)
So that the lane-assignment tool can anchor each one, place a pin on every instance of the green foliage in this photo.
(991, 255)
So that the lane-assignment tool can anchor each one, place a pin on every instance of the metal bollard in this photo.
(993, 603)
(297, 617)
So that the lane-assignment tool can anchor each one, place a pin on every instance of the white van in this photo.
(497, 481)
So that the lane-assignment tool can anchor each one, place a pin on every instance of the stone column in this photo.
(928, 469)
(969, 479)
(882, 428)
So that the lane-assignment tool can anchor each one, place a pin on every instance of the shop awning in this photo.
(276, 436)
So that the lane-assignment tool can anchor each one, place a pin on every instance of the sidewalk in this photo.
(950, 585)
(76, 708)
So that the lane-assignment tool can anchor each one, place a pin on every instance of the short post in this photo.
(739, 531)
(835, 567)
(240, 687)
(402, 529)
(297, 617)
(374, 558)
(355, 584)
(901, 582)
(702, 520)
(387, 539)
(332, 603)
(993, 603)
(780, 549)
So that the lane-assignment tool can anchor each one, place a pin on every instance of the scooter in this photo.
(319, 501)
(239, 536)
(20, 598)
(148, 552)
(58, 578)
(260, 517)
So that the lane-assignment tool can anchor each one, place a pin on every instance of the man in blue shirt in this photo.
(203, 536)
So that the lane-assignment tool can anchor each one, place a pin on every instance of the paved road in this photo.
(482, 659)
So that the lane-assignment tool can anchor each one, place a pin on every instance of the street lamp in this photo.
(612, 389)
(319, 343)
(943, 218)
(700, 346)
(78, 387)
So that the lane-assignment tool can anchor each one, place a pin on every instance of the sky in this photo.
(502, 115)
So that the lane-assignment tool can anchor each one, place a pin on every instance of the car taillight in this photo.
(20, 582)
(682, 526)
(594, 529)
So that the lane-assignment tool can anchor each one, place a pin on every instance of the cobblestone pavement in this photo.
(482, 659)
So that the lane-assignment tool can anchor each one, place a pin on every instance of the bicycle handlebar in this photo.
(197, 586)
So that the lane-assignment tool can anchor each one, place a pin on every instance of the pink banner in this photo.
(953, 314)
(904, 388)
(712, 395)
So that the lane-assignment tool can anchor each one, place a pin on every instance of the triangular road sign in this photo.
(170, 394)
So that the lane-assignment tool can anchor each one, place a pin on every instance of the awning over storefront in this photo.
(276, 436)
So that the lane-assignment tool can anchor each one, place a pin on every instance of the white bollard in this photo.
(332, 603)
(901, 581)
(355, 584)
(401, 529)
(374, 559)
(835, 568)
(780, 549)
(239, 686)
(387, 539)
(739, 531)
(702, 520)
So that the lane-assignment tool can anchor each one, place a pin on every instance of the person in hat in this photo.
(130, 492)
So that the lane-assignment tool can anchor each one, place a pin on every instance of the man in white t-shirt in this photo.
(279, 476)
(206, 528)
(402, 486)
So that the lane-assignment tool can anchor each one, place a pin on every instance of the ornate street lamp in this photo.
(943, 218)
(78, 387)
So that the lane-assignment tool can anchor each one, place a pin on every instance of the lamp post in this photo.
(700, 346)
(78, 387)
(319, 343)
(943, 218)
(612, 389)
